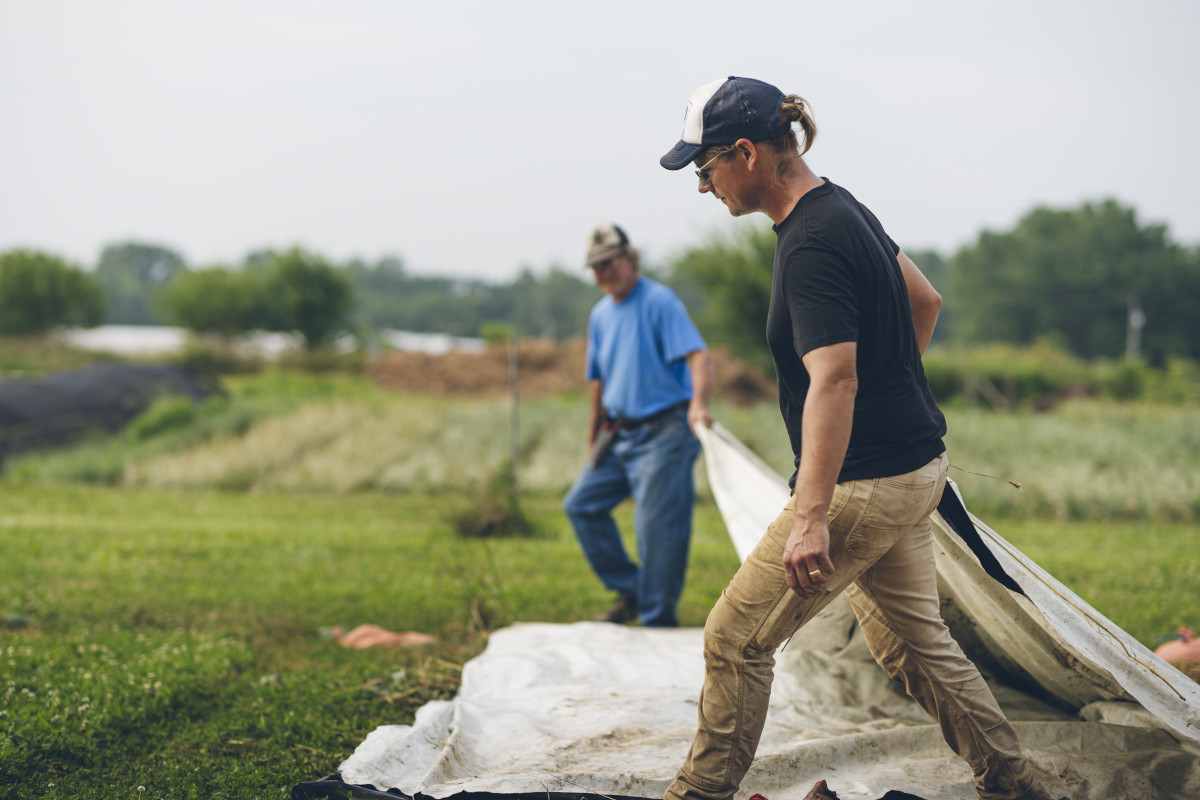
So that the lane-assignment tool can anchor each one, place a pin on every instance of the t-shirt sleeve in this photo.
(679, 334)
(877, 226)
(819, 287)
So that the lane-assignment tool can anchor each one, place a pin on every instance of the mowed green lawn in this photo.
(173, 638)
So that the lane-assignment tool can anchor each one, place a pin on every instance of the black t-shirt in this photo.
(837, 280)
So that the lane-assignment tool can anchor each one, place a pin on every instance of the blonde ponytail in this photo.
(794, 108)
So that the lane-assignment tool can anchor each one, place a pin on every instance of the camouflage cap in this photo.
(605, 241)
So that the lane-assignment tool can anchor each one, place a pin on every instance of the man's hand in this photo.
(698, 413)
(806, 563)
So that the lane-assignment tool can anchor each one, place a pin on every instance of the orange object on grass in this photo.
(374, 636)
(1185, 648)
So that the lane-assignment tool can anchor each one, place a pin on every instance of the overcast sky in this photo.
(475, 139)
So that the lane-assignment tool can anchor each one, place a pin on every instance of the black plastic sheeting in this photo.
(955, 513)
(63, 407)
(333, 788)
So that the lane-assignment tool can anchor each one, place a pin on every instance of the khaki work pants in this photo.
(881, 545)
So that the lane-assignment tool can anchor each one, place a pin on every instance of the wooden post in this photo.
(514, 405)
(1133, 330)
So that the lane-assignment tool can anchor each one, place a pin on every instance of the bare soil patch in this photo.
(545, 368)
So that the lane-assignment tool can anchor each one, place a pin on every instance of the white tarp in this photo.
(605, 709)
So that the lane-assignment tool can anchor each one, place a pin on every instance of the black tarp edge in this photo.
(332, 787)
(955, 513)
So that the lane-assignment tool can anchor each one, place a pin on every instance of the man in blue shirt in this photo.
(650, 377)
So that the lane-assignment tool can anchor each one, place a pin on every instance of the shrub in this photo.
(167, 414)
(1178, 382)
(218, 359)
(498, 512)
(1126, 380)
(495, 332)
(1042, 375)
(39, 292)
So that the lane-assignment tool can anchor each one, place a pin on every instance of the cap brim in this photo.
(600, 255)
(681, 155)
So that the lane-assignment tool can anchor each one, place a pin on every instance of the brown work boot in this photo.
(622, 611)
(819, 791)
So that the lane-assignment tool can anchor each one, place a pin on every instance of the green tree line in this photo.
(1092, 280)
(137, 283)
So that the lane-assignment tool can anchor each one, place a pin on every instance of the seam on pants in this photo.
(739, 705)
(924, 667)
(740, 648)
(832, 517)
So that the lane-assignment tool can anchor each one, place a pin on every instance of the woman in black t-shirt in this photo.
(850, 316)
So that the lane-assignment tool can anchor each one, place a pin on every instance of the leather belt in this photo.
(628, 423)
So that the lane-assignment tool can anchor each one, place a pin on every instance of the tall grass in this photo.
(1085, 460)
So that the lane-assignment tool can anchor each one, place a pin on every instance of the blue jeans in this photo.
(653, 464)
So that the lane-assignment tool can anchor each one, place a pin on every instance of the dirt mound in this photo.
(544, 368)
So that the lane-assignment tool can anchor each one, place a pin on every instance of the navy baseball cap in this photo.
(724, 111)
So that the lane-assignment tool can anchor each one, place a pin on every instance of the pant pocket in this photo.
(888, 507)
(851, 529)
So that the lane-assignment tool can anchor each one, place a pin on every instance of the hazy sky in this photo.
(479, 138)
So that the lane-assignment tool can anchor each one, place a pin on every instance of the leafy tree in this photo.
(555, 306)
(733, 273)
(936, 269)
(386, 296)
(567, 300)
(728, 280)
(131, 274)
(39, 292)
(377, 287)
(306, 294)
(390, 298)
(1072, 275)
(217, 300)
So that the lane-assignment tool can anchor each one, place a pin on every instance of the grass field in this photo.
(166, 633)
(174, 638)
